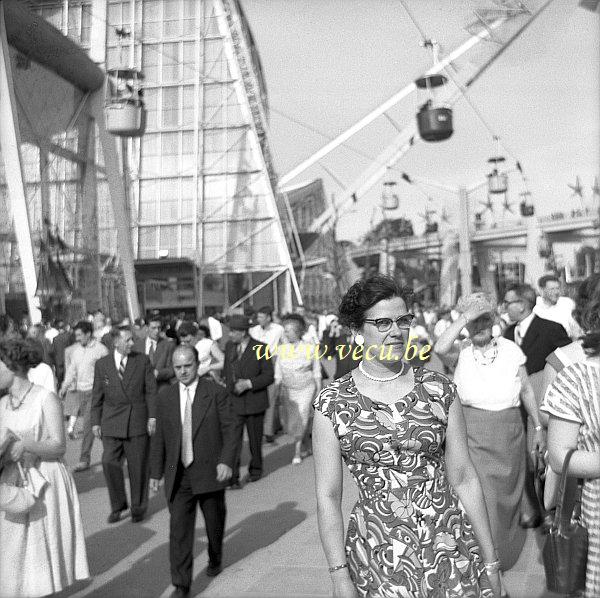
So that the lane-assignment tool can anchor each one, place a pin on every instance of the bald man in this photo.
(194, 448)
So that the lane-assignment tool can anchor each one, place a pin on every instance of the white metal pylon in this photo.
(10, 148)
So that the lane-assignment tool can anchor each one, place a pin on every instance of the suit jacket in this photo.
(259, 371)
(213, 435)
(122, 407)
(59, 344)
(163, 359)
(542, 337)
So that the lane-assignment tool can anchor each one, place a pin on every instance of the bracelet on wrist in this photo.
(493, 567)
(338, 567)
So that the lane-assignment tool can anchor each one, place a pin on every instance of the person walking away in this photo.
(268, 332)
(537, 338)
(492, 382)
(210, 356)
(158, 350)
(43, 551)
(194, 449)
(247, 374)
(124, 417)
(297, 381)
(61, 341)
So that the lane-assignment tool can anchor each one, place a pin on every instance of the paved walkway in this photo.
(272, 545)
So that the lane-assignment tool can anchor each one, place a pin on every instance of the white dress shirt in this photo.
(183, 390)
(150, 343)
(271, 335)
(522, 327)
(561, 313)
(118, 357)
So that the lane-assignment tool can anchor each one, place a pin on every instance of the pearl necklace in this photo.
(14, 406)
(375, 378)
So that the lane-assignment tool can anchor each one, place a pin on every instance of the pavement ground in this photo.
(271, 547)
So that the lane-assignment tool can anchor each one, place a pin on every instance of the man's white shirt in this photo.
(183, 390)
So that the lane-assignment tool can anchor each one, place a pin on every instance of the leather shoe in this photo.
(114, 517)
(235, 486)
(531, 522)
(180, 592)
(213, 570)
(137, 516)
(81, 466)
(254, 478)
(269, 439)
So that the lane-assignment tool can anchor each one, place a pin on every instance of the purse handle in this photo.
(562, 518)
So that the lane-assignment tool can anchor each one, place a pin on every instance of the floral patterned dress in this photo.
(407, 536)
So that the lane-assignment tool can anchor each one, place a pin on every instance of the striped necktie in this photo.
(187, 448)
(122, 367)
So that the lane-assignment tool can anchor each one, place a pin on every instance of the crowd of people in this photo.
(444, 442)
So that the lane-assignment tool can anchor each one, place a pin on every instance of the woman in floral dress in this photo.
(401, 433)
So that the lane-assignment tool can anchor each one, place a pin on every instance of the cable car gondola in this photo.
(124, 109)
(389, 197)
(497, 181)
(434, 119)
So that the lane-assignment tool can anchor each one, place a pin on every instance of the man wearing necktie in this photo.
(159, 351)
(537, 338)
(194, 448)
(124, 417)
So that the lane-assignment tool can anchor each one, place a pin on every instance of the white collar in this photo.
(192, 387)
(524, 324)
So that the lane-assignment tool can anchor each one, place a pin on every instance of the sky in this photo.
(327, 63)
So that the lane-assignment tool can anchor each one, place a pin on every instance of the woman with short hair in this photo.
(43, 551)
(298, 380)
(492, 381)
(401, 432)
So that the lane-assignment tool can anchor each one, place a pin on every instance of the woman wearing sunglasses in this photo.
(402, 435)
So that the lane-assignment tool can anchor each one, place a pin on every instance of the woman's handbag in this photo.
(566, 546)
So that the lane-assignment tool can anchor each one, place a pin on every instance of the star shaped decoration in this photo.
(577, 188)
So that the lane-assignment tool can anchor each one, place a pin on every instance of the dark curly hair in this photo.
(20, 355)
(587, 313)
(364, 294)
(297, 318)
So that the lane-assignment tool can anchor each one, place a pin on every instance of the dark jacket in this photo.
(213, 434)
(60, 342)
(542, 337)
(163, 359)
(249, 366)
(122, 407)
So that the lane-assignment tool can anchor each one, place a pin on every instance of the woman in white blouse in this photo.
(298, 379)
(492, 381)
(210, 357)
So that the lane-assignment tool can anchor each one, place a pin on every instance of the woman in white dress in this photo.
(42, 551)
(298, 379)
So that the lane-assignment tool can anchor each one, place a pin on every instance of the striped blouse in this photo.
(575, 396)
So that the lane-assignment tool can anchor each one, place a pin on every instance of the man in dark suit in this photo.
(124, 416)
(194, 448)
(537, 338)
(247, 375)
(158, 350)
